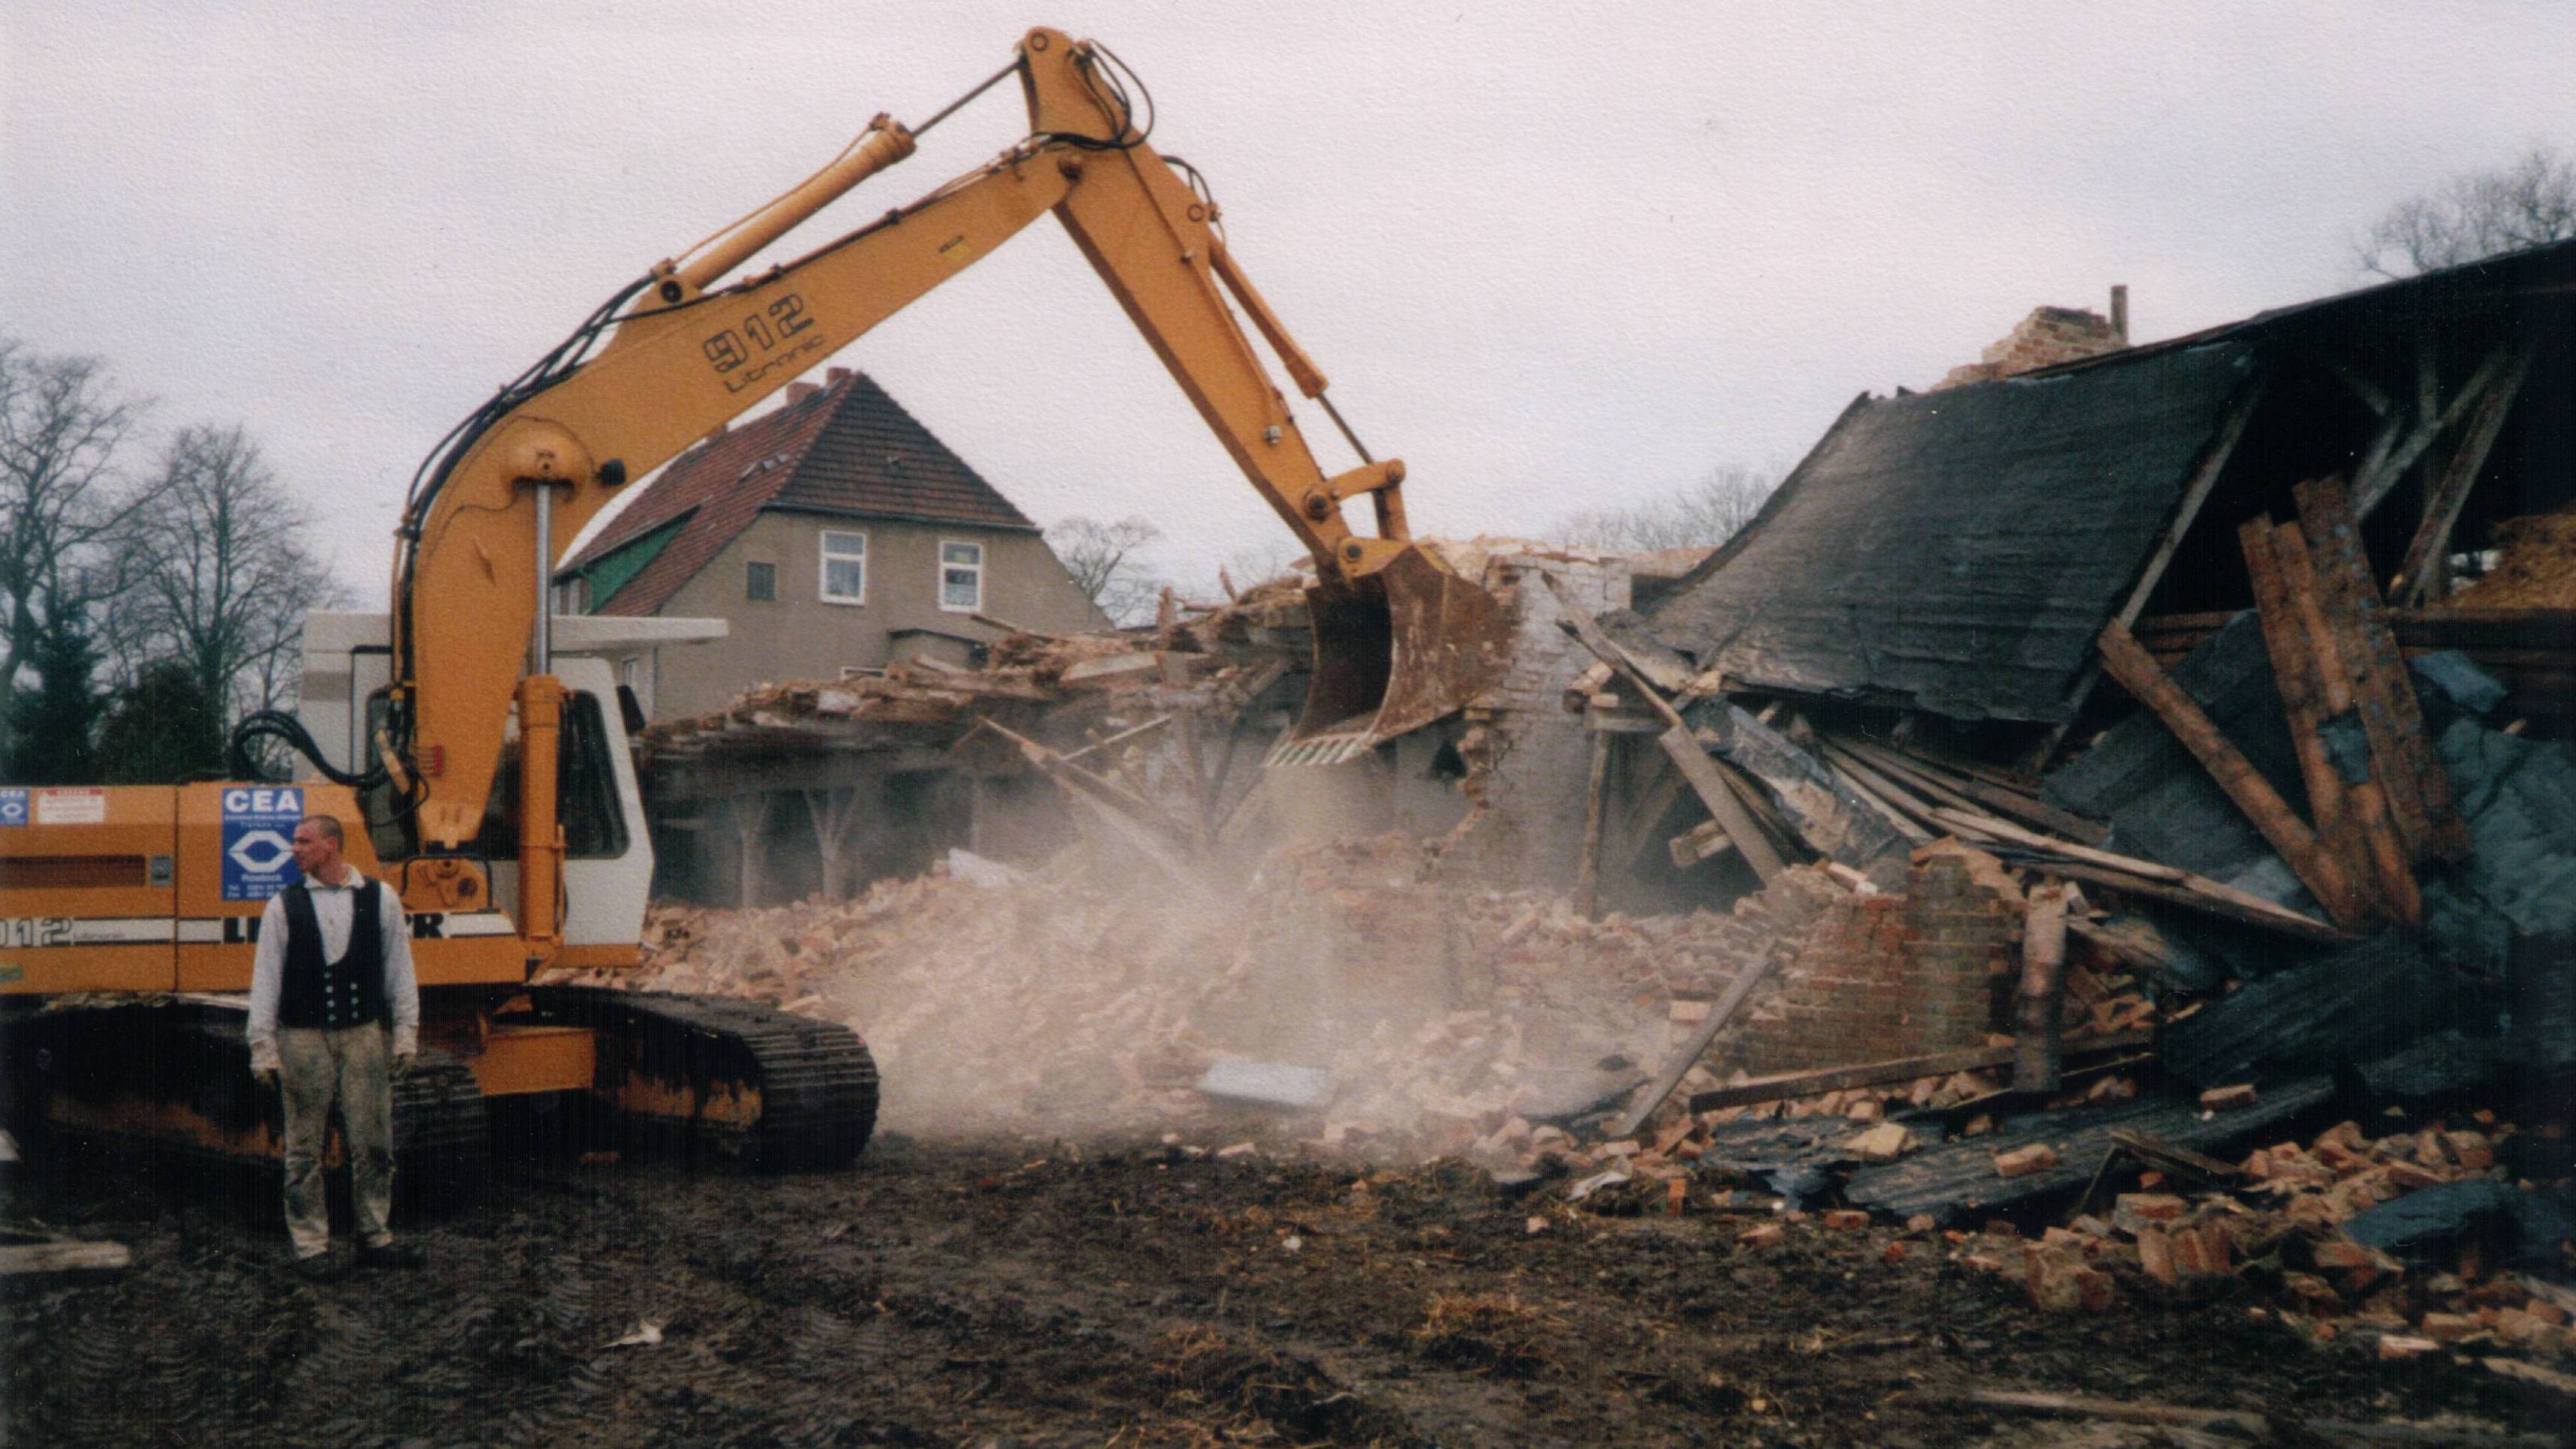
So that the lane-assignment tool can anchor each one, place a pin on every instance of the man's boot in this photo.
(389, 1255)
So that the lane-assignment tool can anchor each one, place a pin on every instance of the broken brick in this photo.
(2023, 1161)
(2228, 1098)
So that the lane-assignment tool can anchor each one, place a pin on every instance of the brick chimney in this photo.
(2048, 336)
(835, 376)
(797, 392)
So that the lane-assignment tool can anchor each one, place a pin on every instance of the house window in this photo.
(760, 581)
(845, 567)
(961, 577)
(572, 595)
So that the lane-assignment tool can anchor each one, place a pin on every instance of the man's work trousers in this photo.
(346, 1065)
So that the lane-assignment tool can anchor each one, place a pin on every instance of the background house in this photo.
(835, 532)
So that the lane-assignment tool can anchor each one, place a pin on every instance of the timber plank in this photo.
(2420, 790)
(2381, 837)
(2287, 834)
(2296, 677)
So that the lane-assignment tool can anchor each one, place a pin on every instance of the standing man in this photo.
(334, 1016)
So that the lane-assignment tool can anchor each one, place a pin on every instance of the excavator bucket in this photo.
(1393, 652)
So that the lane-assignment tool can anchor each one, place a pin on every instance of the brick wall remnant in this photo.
(2048, 336)
(1527, 758)
(1865, 978)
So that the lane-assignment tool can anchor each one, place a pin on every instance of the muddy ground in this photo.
(999, 1294)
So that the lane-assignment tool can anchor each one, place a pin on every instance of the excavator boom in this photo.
(1400, 641)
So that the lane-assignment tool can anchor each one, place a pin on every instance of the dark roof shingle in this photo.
(1958, 551)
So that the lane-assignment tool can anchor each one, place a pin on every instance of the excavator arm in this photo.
(1400, 641)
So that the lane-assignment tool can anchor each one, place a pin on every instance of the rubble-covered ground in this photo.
(1027, 1294)
(1095, 993)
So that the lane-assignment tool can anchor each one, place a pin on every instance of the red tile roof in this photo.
(847, 449)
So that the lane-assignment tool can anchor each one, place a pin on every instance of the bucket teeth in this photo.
(1326, 749)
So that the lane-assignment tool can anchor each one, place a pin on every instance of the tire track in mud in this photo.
(954, 1296)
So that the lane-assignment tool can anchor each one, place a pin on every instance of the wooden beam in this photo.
(1817, 811)
(2167, 882)
(2377, 477)
(1853, 768)
(2018, 804)
(2040, 1008)
(2195, 492)
(2384, 844)
(2295, 678)
(1738, 992)
(1587, 868)
(1897, 1069)
(2426, 560)
(1897, 819)
(1647, 806)
(1084, 783)
(1120, 738)
(1703, 776)
(2312, 863)
(2419, 790)
(1193, 762)
(1700, 842)
(1679, 745)
(2199, 897)
(18, 1258)
(2213, 461)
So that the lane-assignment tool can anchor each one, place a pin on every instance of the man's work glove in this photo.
(265, 1073)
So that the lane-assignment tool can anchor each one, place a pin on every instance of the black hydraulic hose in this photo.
(279, 725)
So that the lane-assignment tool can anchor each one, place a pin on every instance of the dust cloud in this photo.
(1088, 998)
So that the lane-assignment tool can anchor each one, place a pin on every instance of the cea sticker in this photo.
(13, 808)
(259, 834)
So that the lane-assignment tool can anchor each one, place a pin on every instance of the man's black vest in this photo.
(346, 992)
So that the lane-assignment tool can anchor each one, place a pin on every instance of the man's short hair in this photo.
(327, 826)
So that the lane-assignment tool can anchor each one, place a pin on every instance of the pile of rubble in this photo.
(2535, 566)
(1233, 650)
(1076, 999)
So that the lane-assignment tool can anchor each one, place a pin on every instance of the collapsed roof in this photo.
(1958, 551)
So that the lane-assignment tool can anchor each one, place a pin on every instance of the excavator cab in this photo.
(1394, 651)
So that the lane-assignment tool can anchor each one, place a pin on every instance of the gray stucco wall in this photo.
(800, 635)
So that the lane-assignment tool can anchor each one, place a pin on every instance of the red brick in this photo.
(2023, 1161)
(2448, 1327)
(2228, 1099)
(2155, 1255)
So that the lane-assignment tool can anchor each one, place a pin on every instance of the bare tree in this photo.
(2521, 204)
(1705, 515)
(62, 496)
(224, 580)
(1101, 558)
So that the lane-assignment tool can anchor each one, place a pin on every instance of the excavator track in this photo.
(725, 1077)
(172, 1076)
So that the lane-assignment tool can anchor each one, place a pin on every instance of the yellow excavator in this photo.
(496, 792)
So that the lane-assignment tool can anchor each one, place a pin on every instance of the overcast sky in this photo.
(1554, 255)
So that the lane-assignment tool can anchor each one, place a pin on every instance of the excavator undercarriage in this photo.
(714, 1080)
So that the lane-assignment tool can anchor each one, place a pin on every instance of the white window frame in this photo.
(825, 556)
(940, 583)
